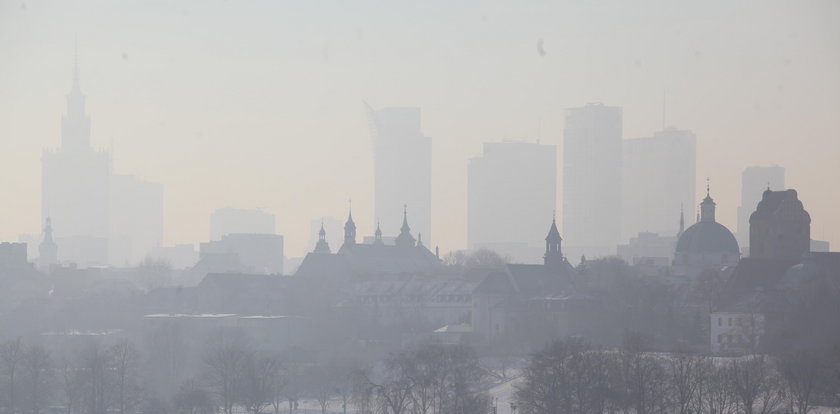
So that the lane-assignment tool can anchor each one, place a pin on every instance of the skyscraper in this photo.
(754, 181)
(99, 217)
(76, 187)
(592, 180)
(658, 178)
(512, 189)
(402, 158)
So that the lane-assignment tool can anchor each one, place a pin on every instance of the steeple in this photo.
(322, 246)
(377, 236)
(47, 249)
(349, 230)
(405, 238)
(707, 207)
(75, 125)
(682, 222)
(553, 253)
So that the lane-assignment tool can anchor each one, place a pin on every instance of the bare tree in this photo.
(258, 382)
(225, 364)
(96, 384)
(686, 378)
(802, 372)
(11, 355)
(193, 399)
(125, 358)
(754, 384)
(37, 373)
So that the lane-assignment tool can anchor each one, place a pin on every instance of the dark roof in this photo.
(772, 200)
(322, 265)
(753, 275)
(531, 280)
(496, 283)
(707, 237)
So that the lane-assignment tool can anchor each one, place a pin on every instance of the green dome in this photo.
(707, 237)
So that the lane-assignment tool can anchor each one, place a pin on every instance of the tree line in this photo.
(572, 376)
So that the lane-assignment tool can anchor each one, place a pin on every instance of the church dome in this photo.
(707, 237)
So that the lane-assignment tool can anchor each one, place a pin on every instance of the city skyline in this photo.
(124, 85)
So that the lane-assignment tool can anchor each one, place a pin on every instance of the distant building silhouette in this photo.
(76, 186)
(332, 227)
(780, 228)
(405, 256)
(706, 245)
(402, 158)
(105, 218)
(256, 253)
(48, 251)
(230, 220)
(512, 188)
(136, 218)
(658, 176)
(754, 180)
(592, 180)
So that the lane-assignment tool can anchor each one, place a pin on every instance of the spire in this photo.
(75, 125)
(47, 249)
(48, 230)
(553, 253)
(322, 246)
(707, 207)
(76, 64)
(682, 221)
(405, 239)
(349, 230)
(419, 239)
(377, 239)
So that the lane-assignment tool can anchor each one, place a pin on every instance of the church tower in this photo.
(553, 252)
(322, 246)
(405, 239)
(47, 249)
(707, 207)
(377, 236)
(349, 231)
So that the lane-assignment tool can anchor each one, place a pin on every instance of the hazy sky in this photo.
(260, 103)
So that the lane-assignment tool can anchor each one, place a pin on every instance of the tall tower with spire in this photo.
(48, 251)
(349, 231)
(76, 183)
(75, 124)
(377, 240)
(405, 239)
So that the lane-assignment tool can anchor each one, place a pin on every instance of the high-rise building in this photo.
(402, 158)
(230, 220)
(512, 191)
(754, 181)
(592, 180)
(76, 187)
(100, 217)
(136, 219)
(658, 179)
